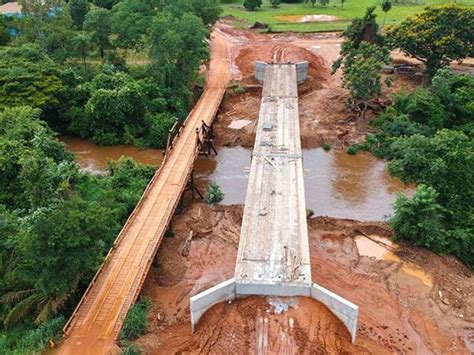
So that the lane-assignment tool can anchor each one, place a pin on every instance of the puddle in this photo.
(307, 18)
(239, 124)
(383, 249)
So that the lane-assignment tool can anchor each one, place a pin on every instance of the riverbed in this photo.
(336, 184)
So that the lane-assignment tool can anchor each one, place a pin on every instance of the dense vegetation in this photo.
(64, 67)
(427, 134)
(56, 223)
(69, 60)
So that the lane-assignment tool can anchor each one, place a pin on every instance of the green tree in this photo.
(97, 23)
(70, 229)
(386, 7)
(252, 5)
(208, 10)
(105, 4)
(456, 94)
(437, 36)
(34, 167)
(419, 219)
(82, 44)
(130, 21)
(48, 24)
(115, 112)
(342, 3)
(78, 10)
(4, 35)
(444, 162)
(177, 49)
(28, 77)
(361, 73)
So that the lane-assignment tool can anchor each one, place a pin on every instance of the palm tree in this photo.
(82, 44)
(386, 6)
(30, 302)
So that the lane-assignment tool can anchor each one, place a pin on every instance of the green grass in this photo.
(352, 9)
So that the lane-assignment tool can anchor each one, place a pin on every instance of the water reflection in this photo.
(336, 184)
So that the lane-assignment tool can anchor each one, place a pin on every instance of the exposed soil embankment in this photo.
(398, 312)
(324, 116)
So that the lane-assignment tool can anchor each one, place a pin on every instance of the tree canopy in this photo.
(437, 36)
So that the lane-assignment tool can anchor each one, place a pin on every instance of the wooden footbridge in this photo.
(97, 320)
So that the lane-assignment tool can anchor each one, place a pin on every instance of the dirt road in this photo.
(99, 316)
(324, 116)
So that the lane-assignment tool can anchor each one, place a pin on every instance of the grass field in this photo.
(352, 8)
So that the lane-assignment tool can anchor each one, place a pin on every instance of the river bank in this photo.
(418, 304)
(411, 300)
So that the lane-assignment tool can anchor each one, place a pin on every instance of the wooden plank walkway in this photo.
(96, 322)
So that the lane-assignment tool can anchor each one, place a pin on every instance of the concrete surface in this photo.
(201, 302)
(273, 255)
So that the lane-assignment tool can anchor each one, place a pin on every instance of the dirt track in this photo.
(398, 312)
(97, 321)
(324, 117)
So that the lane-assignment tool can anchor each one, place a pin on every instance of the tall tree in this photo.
(97, 23)
(78, 10)
(386, 7)
(437, 36)
(130, 21)
(252, 5)
(82, 44)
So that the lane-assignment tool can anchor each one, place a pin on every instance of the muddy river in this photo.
(337, 184)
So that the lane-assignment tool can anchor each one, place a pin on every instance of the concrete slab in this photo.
(273, 256)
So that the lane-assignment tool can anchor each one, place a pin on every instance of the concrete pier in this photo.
(273, 255)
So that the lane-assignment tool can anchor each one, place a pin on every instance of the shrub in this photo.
(251, 5)
(352, 150)
(136, 322)
(214, 193)
(326, 147)
(420, 219)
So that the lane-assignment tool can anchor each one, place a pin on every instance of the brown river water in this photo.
(336, 184)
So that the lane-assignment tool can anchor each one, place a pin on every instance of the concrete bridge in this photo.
(273, 255)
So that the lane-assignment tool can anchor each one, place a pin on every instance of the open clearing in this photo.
(352, 9)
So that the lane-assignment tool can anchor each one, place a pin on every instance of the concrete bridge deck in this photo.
(273, 255)
(273, 245)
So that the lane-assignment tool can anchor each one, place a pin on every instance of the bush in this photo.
(251, 5)
(419, 219)
(136, 322)
(326, 147)
(352, 150)
(214, 193)
(130, 349)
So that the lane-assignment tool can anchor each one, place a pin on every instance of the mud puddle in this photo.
(381, 248)
(336, 184)
(308, 18)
